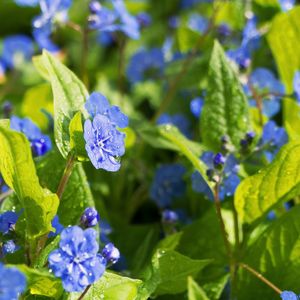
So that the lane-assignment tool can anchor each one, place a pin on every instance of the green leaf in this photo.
(225, 111)
(278, 182)
(77, 195)
(291, 118)
(283, 39)
(69, 97)
(41, 282)
(276, 256)
(18, 170)
(111, 287)
(170, 270)
(195, 292)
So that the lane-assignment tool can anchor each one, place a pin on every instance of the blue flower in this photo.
(198, 23)
(90, 217)
(288, 295)
(224, 29)
(296, 85)
(241, 56)
(173, 22)
(167, 184)
(196, 106)
(104, 143)
(40, 143)
(144, 19)
(111, 253)
(146, 64)
(103, 20)
(9, 247)
(200, 186)
(273, 138)
(8, 221)
(190, 3)
(27, 2)
(42, 36)
(179, 120)
(169, 216)
(16, 50)
(97, 104)
(12, 283)
(77, 261)
(57, 226)
(105, 231)
(287, 5)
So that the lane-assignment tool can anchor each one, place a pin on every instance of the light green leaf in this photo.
(69, 95)
(111, 287)
(291, 118)
(225, 111)
(18, 170)
(283, 39)
(195, 292)
(276, 256)
(279, 181)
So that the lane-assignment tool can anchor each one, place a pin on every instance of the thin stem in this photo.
(5, 194)
(261, 277)
(84, 54)
(258, 102)
(74, 26)
(66, 175)
(84, 292)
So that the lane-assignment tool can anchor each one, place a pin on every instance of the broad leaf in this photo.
(195, 292)
(283, 39)
(18, 170)
(277, 182)
(225, 111)
(69, 97)
(291, 118)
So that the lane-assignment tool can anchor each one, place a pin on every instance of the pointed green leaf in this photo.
(195, 292)
(18, 170)
(225, 111)
(279, 181)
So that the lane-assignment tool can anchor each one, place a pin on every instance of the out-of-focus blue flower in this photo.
(167, 184)
(296, 85)
(169, 216)
(179, 120)
(106, 38)
(200, 186)
(77, 261)
(12, 283)
(7, 221)
(196, 106)
(229, 185)
(3, 187)
(288, 295)
(57, 226)
(9, 247)
(40, 143)
(190, 3)
(104, 143)
(16, 50)
(111, 253)
(287, 5)
(198, 23)
(105, 231)
(145, 64)
(103, 20)
(241, 56)
(97, 104)
(42, 36)
(173, 22)
(144, 19)
(224, 30)
(90, 217)
(27, 2)
(273, 138)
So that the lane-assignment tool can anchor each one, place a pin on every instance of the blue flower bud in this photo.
(250, 136)
(94, 7)
(7, 109)
(169, 216)
(90, 217)
(9, 247)
(224, 29)
(111, 253)
(219, 160)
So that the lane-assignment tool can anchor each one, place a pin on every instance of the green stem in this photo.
(262, 278)
(84, 292)
(84, 55)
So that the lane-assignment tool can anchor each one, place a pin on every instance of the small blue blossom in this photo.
(198, 23)
(296, 86)
(144, 19)
(190, 3)
(219, 160)
(288, 295)
(9, 247)
(229, 185)
(111, 253)
(173, 22)
(224, 29)
(90, 217)
(167, 184)
(169, 216)
(97, 104)
(200, 186)
(12, 283)
(196, 106)
(179, 120)
(94, 6)
(241, 56)
(40, 143)
(3, 187)
(146, 64)
(8, 220)
(105, 231)
(27, 2)
(16, 50)
(42, 36)
(273, 138)
(103, 20)
(57, 226)
(104, 143)
(77, 261)
(287, 5)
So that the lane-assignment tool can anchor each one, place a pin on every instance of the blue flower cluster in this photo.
(40, 143)
(104, 142)
(288, 295)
